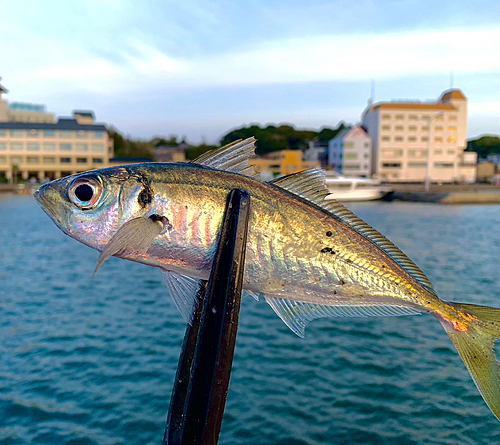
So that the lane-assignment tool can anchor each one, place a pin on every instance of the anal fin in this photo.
(296, 315)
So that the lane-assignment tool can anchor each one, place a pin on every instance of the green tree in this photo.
(274, 138)
(485, 145)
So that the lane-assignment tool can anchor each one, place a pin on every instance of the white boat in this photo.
(343, 188)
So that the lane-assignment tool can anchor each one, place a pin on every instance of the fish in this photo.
(308, 257)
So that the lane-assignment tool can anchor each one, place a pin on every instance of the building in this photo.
(171, 153)
(34, 145)
(485, 171)
(283, 162)
(407, 137)
(350, 152)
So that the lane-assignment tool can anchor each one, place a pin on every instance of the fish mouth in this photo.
(48, 205)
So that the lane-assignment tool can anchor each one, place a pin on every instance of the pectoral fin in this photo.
(135, 235)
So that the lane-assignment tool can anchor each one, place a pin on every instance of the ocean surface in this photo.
(92, 360)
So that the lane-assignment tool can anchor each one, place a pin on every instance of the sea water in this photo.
(92, 360)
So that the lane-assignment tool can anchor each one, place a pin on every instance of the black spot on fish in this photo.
(162, 219)
(145, 197)
(333, 252)
(334, 292)
(326, 249)
(348, 261)
(342, 282)
(329, 233)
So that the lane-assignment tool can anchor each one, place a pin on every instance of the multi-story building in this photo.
(283, 162)
(349, 152)
(413, 139)
(34, 145)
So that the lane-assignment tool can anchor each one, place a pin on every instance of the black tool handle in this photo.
(202, 380)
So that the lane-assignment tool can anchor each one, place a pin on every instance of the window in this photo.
(33, 147)
(97, 147)
(412, 139)
(49, 133)
(452, 129)
(399, 117)
(413, 117)
(391, 164)
(350, 155)
(438, 152)
(65, 147)
(3, 159)
(65, 160)
(425, 128)
(412, 128)
(424, 138)
(3, 133)
(385, 117)
(452, 139)
(412, 153)
(367, 144)
(398, 139)
(97, 160)
(425, 117)
(65, 133)
(33, 133)
(16, 160)
(452, 118)
(351, 166)
(49, 147)
(423, 153)
(417, 164)
(365, 155)
(49, 160)
(81, 160)
(443, 165)
(98, 134)
(81, 147)
(3, 146)
(81, 134)
(439, 118)
(439, 128)
(32, 160)
(16, 132)
(348, 144)
(438, 139)
(398, 153)
(399, 128)
(16, 146)
(385, 128)
(451, 152)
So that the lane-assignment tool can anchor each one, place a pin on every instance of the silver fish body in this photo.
(308, 258)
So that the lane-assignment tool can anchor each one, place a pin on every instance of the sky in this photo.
(199, 68)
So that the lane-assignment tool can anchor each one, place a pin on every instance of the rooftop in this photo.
(61, 124)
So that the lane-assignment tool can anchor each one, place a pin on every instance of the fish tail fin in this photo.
(474, 339)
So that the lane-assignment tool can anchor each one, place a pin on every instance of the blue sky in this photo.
(199, 68)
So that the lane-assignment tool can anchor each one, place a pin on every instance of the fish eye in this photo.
(85, 192)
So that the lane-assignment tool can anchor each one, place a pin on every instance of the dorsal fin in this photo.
(233, 157)
(310, 185)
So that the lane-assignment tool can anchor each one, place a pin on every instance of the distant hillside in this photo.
(484, 146)
(272, 138)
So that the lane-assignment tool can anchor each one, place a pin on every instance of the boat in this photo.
(344, 188)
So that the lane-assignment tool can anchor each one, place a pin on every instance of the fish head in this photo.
(91, 206)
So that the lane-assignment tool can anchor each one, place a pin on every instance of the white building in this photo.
(350, 152)
(406, 136)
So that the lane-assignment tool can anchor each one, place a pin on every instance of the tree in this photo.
(484, 146)
(274, 138)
